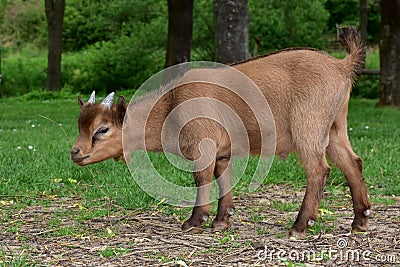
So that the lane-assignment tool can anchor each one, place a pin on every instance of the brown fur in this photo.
(91, 148)
(308, 93)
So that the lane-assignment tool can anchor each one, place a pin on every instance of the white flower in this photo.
(367, 127)
(30, 147)
(18, 147)
(350, 129)
(33, 125)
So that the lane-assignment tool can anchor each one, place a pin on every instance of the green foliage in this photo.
(374, 21)
(367, 86)
(346, 12)
(124, 61)
(43, 95)
(3, 5)
(89, 22)
(287, 23)
(23, 23)
(343, 12)
(203, 31)
(118, 44)
(123, 64)
(22, 74)
(112, 66)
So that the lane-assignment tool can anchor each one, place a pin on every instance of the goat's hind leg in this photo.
(342, 155)
(317, 170)
(201, 211)
(223, 174)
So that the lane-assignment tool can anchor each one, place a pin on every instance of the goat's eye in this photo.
(102, 130)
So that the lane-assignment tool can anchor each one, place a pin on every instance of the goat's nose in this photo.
(74, 152)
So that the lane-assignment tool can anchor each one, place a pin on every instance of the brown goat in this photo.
(308, 93)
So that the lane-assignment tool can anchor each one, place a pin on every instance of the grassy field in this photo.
(35, 165)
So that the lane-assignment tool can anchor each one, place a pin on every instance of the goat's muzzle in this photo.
(75, 158)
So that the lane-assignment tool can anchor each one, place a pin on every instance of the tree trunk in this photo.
(55, 18)
(180, 24)
(364, 20)
(389, 91)
(231, 31)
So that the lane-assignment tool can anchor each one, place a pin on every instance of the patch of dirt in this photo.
(58, 235)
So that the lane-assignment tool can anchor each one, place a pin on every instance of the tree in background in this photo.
(231, 31)
(389, 91)
(118, 44)
(180, 25)
(364, 20)
(55, 17)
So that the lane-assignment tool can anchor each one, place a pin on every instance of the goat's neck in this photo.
(152, 117)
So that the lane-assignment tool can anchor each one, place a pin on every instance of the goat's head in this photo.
(100, 130)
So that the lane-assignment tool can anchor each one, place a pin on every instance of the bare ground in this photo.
(58, 235)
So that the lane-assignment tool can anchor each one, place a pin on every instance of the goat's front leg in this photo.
(201, 211)
(223, 173)
(318, 171)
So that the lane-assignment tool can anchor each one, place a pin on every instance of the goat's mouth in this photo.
(80, 161)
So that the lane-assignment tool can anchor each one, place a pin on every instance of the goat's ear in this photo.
(80, 102)
(121, 108)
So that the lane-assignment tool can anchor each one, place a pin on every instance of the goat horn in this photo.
(92, 98)
(108, 101)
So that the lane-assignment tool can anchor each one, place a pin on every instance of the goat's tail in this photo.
(350, 39)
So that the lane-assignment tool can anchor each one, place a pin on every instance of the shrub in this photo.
(123, 64)
(24, 22)
(346, 12)
(22, 74)
(367, 86)
(287, 23)
(89, 22)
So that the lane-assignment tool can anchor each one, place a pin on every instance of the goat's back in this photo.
(304, 89)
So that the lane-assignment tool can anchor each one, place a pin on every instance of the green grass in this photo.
(110, 252)
(12, 259)
(34, 155)
(35, 165)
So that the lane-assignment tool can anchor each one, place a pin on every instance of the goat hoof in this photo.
(193, 230)
(193, 225)
(219, 226)
(294, 234)
(187, 227)
(359, 228)
(359, 225)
